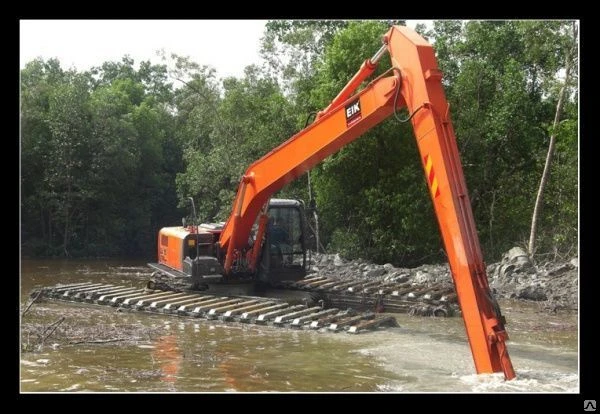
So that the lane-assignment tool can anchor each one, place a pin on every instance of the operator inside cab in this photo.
(279, 241)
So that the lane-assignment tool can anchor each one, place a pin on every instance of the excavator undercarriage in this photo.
(437, 299)
(243, 309)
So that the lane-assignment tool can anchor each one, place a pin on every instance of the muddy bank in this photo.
(44, 327)
(553, 285)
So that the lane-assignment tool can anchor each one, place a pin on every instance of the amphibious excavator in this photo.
(264, 239)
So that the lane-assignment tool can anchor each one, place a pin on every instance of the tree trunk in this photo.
(491, 222)
(66, 235)
(315, 216)
(550, 155)
(50, 238)
(67, 218)
(42, 223)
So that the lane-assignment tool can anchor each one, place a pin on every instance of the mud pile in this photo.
(555, 284)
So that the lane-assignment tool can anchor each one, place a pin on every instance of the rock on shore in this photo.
(554, 285)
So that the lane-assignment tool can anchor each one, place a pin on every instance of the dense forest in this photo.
(110, 155)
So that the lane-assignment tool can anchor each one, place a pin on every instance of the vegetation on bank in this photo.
(110, 155)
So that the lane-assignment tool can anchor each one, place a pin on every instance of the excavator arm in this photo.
(413, 82)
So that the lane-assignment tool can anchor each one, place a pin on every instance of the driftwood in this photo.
(99, 341)
(52, 327)
(31, 303)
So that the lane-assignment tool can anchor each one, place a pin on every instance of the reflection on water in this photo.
(167, 354)
(191, 355)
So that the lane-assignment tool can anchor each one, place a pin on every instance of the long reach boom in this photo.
(413, 82)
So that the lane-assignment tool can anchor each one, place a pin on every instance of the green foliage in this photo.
(386, 206)
(111, 155)
(97, 165)
(250, 118)
(502, 88)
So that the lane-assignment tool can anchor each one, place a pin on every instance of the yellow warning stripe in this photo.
(431, 178)
(428, 165)
(434, 187)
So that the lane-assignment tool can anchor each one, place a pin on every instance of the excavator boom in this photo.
(415, 83)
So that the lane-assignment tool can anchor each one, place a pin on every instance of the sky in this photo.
(227, 45)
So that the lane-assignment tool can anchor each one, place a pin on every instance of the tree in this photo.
(224, 135)
(570, 55)
(98, 166)
(499, 78)
(66, 177)
(106, 154)
(383, 213)
(292, 48)
(38, 80)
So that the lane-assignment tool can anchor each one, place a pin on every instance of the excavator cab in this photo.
(284, 250)
(190, 251)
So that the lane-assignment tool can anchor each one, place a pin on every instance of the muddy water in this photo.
(191, 355)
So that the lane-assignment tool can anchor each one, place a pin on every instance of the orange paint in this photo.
(346, 119)
(170, 246)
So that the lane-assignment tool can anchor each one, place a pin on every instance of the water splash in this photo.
(527, 381)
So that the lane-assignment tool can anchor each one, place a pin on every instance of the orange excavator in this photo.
(264, 239)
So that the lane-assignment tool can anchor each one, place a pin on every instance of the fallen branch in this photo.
(53, 326)
(99, 341)
(31, 303)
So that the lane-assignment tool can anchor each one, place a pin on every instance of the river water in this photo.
(422, 354)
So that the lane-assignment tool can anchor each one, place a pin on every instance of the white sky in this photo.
(227, 45)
